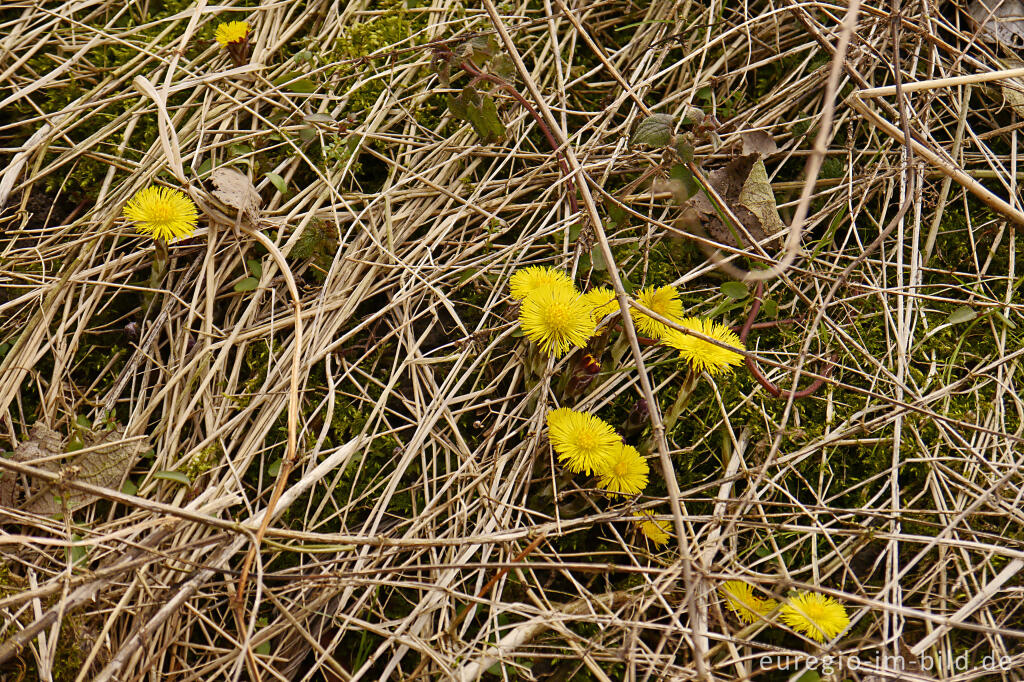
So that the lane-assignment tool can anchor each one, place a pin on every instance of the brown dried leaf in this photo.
(758, 142)
(104, 461)
(237, 191)
(1000, 21)
(743, 185)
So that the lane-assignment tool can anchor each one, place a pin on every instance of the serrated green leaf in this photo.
(247, 284)
(964, 313)
(735, 290)
(654, 131)
(255, 267)
(277, 181)
(175, 476)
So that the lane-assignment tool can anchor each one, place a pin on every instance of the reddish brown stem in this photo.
(479, 75)
(755, 371)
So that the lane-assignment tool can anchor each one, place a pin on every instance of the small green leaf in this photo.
(263, 649)
(78, 552)
(83, 422)
(75, 444)
(277, 181)
(292, 81)
(274, 468)
(204, 168)
(685, 150)
(502, 67)
(618, 215)
(964, 313)
(129, 487)
(770, 308)
(326, 119)
(4, 347)
(255, 268)
(682, 174)
(654, 131)
(307, 134)
(176, 476)
(597, 258)
(247, 284)
(735, 290)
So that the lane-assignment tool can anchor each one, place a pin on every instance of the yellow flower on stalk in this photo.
(556, 317)
(232, 32)
(625, 472)
(536, 278)
(662, 300)
(740, 599)
(162, 213)
(703, 355)
(819, 617)
(584, 443)
(601, 302)
(655, 530)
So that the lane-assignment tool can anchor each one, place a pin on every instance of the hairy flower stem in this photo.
(682, 399)
(161, 262)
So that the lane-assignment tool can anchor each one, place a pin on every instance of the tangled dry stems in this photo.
(927, 564)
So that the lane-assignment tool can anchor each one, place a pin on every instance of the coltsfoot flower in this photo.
(162, 213)
(819, 617)
(740, 599)
(625, 472)
(702, 355)
(232, 32)
(601, 302)
(662, 300)
(556, 317)
(584, 443)
(537, 278)
(655, 530)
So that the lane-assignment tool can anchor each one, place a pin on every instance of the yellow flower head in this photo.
(556, 317)
(232, 32)
(819, 617)
(625, 472)
(537, 278)
(162, 213)
(584, 443)
(662, 300)
(705, 356)
(601, 302)
(656, 530)
(740, 599)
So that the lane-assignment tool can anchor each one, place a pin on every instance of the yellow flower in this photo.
(626, 472)
(740, 599)
(601, 302)
(705, 356)
(656, 530)
(662, 300)
(232, 32)
(583, 442)
(819, 617)
(162, 213)
(556, 317)
(536, 278)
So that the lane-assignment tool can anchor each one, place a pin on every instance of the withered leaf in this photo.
(743, 185)
(758, 142)
(104, 461)
(237, 191)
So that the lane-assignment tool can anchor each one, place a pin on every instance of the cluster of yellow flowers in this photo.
(815, 615)
(556, 316)
(589, 445)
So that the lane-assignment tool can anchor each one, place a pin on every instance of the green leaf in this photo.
(277, 181)
(129, 487)
(654, 131)
(263, 649)
(292, 81)
(204, 168)
(685, 150)
(83, 422)
(247, 284)
(682, 174)
(255, 267)
(502, 67)
(176, 476)
(618, 215)
(326, 119)
(274, 468)
(964, 313)
(597, 257)
(77, 553)
(75, 444)
(735, 290)
(770, 308)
